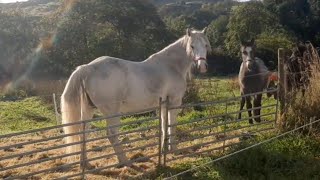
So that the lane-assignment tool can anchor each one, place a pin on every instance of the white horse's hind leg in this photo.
(115, 140)
(172, 129)
(86, 114)
(113, 131)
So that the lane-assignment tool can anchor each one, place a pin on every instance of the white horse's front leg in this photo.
(115, 140)
(172, 129)
(163, 125)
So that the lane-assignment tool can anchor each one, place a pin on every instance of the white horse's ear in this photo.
(188, 32)
(204, 30)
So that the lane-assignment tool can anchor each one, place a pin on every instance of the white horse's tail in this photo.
(71, 104)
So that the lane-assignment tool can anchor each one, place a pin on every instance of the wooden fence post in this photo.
(282, 79)
(58, 119)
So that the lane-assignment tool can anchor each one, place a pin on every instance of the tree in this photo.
(135, 22)
(17, 41)
(299, 16)
(126, 29)
(177, 25)
(217, 31)
(269, 42)
(248, 21)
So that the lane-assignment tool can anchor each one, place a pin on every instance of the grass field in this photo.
(29, 113)
(292, 157)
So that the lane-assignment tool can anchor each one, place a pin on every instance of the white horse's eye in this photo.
(192, 47)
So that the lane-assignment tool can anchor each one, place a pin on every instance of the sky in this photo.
(10, 1)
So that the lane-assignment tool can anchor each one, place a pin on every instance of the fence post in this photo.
(83, 158)
(311, 122)
(277, 109)
(165, 148)
(160, 132)
(282, 79)
(56, 108)
(225, 127)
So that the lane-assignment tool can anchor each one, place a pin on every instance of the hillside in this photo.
(162, 2)
(44, 7)
(32, 8)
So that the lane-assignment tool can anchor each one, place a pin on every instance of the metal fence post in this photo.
(277, 108)
(225, 127)
(165, 148)
(83, 159)
(160, 132)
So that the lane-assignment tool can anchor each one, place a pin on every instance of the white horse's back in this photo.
(124, 86)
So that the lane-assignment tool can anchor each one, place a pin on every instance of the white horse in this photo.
(115, 85)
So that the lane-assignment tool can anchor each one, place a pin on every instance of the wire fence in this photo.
(242, 150)
(40, 153)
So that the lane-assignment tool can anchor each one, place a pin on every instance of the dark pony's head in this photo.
(298, 65)
(247, 50)
(298, 52)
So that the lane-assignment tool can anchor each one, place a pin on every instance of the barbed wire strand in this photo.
(237, 152)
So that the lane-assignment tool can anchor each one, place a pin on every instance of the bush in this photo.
(13, 95)
(221, 63)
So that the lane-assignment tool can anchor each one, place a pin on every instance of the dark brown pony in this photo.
(253, 78)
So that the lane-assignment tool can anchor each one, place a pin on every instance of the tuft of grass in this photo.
(30, 113)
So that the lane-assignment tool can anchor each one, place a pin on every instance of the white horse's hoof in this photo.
(172, 148)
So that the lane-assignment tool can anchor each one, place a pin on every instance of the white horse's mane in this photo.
(185, 41)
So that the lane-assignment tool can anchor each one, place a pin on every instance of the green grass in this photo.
(30, 113)
(292, 157)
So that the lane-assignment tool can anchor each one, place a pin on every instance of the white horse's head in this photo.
(197, 47)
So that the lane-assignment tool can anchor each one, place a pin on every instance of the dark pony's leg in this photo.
(249, 106)
(242, 102)
(257, 103)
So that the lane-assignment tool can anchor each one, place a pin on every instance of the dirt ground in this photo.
(145, 166)
(99, 150)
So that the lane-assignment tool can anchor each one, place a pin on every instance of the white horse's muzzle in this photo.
(202, 64)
